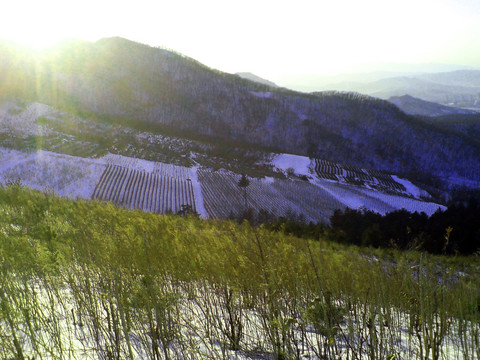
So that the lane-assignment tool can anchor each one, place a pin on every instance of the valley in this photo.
(53, 150)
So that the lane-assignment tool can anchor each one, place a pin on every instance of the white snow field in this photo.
(161, 188)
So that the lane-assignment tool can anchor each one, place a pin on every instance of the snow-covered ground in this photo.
(354, 196)
(65, 175)
(199, 325)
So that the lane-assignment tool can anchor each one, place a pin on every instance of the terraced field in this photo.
(223, 197)
(356, 176)
(314, 203)
(162, 188)
(148, 191)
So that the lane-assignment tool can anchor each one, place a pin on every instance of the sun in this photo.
(37, 24)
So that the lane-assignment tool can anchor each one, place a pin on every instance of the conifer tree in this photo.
(244, 183)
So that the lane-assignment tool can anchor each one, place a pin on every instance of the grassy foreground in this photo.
(86, 280)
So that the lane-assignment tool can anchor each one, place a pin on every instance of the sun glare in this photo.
(35, 41)
(268, 37)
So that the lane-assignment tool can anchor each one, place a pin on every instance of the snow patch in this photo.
(401, 202)
(262, 94)
(197, 190)
(348, 198)
(268, 180)
(412, 189)
(374, 200)
(299, 164)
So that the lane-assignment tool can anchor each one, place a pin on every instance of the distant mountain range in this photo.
(119, 82)
(457, 88)
(368, 73)
(414, 106)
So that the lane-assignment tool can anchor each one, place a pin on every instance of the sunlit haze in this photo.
(268, 38)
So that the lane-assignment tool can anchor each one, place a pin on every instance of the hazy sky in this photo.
(263, 36)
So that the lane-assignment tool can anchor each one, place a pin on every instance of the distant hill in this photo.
(115, 82)
(258, 79)
(368, 73)
(454, 78)
(414, 106)
(457, 88)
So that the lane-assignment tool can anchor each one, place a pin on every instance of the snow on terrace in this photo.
(362, 198)
(413, 190)
(299, 164)
(78, 177)
(65, 175)
(401, 202)
(352, 198)
(356, 197)
(11, 159)
(152, 167)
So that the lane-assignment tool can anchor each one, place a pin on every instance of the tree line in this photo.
(454, 231)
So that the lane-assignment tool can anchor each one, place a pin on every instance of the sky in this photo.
(268, 38)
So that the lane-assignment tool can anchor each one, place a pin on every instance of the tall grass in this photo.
(89, 280)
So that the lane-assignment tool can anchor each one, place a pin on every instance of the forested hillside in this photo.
(151, 88)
